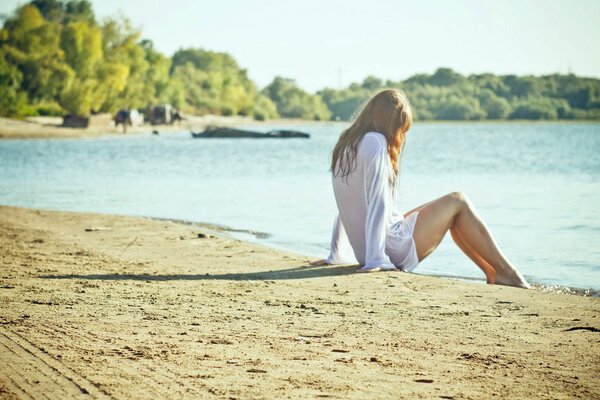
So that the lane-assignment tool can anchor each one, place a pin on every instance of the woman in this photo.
(365, 169)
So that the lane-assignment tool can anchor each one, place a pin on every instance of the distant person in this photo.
(364, 170)
(122, 117)
(176, 117)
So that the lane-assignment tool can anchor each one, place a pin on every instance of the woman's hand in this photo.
(319, 263)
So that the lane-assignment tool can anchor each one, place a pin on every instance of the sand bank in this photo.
(50, 127)
(139, 308)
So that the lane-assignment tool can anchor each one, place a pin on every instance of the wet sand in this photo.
(106, 306)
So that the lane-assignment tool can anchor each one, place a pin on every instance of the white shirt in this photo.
(366, 207)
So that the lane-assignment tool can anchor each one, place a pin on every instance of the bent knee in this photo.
(458, 198)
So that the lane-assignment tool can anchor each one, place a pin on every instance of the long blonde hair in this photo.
(388, 112)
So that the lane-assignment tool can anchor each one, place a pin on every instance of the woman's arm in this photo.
(378, 196)
(340, 249)
(341, 252)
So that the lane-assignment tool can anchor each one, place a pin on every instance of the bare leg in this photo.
(488, 270)
(454, 212)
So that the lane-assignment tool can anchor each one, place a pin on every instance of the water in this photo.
(536, 185)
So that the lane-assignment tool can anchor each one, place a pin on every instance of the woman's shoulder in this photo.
(373, 142)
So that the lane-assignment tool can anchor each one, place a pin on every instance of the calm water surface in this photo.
(536, 185)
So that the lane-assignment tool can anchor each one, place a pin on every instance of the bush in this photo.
(49, 110)
(293, 102)
(459, 109)
(259, 116)
(227, 111)
(264, 108)
(534, 111)
(422, 114)
(494, 106)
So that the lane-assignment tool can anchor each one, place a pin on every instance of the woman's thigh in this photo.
(435, 218)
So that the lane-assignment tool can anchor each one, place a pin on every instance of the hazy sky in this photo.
(322, 43)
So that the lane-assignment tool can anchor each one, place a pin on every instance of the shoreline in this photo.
(225, 229)
(92, 302)
(254, 238)
(50, 128)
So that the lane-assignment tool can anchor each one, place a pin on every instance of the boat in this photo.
(221, 132)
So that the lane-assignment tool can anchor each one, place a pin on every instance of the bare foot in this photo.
(511, 277)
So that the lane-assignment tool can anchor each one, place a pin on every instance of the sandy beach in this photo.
(99, 306)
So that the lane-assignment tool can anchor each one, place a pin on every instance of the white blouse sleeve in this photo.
(341, 251)
(377, 194)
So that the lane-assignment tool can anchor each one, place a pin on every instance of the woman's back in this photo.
(365, 201)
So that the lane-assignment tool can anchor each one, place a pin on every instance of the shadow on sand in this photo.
(304, 272)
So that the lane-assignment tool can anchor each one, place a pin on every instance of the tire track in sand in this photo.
(30, 372)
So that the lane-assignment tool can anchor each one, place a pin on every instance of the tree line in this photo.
(56, 59)
(448, 95)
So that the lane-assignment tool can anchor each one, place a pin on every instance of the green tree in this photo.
(55, 58)
(32, 45)
(343, 104)
(122, 51)
(82, 44)
(446, 77)
(495, 107)
(161, 88)
(13, 101)
(293, 102)
(372, 83)
(79, 97)
(491, 82)
(264, 108)
(459, 109)
(215, 83)
(523, 86)
(538, 108)
(65, 11)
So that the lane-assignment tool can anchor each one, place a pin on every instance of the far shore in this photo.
(50, 127)
(90, 303)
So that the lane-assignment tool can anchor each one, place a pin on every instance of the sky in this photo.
(332, 43)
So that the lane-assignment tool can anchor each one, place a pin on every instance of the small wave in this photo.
(558, 289)
(256, 234)
(217, 227)
(580, 227)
